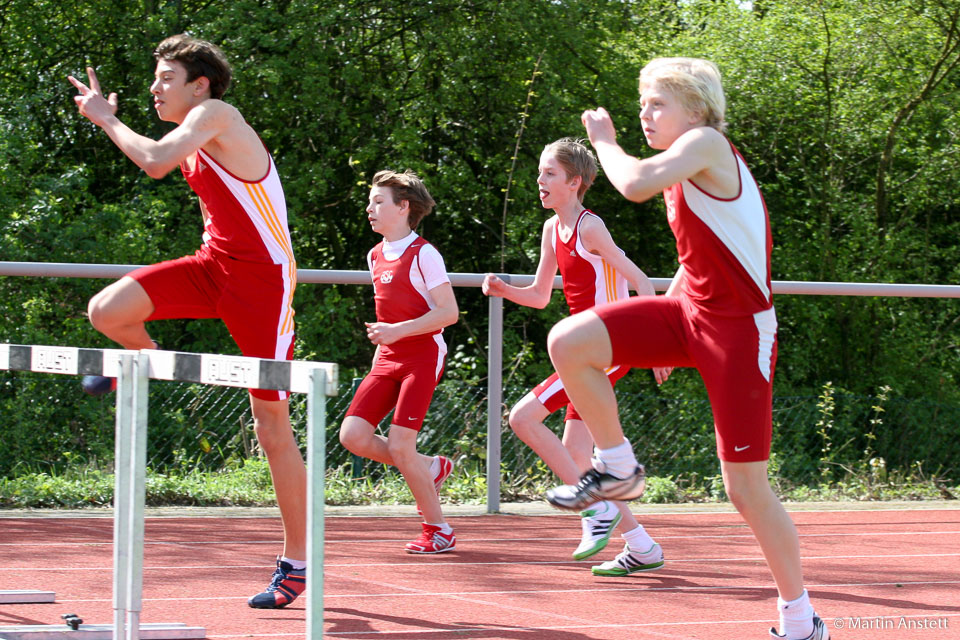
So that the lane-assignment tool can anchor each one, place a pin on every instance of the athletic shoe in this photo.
(286, 585)
(595, 486)
(98, 385)
(432, 540)
(446, 468)
(628, 562)
(597, 525)
(820, 631)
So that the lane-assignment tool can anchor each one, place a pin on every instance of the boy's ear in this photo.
(576, 181)
(404, 206)
(202, 85)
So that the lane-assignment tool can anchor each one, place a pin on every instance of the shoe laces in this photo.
(587, 480)
(278, 577)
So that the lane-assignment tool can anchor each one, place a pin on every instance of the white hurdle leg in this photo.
(316, 466)
(137, 487)
(129, 495)
(121, 493)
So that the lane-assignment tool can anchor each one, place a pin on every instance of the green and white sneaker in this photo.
(629, 562)
(598, 524)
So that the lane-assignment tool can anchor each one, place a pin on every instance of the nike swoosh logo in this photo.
(738, 449)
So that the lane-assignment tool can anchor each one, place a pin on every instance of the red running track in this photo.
(875, 575)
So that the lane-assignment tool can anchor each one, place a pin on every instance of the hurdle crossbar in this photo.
(134, 370)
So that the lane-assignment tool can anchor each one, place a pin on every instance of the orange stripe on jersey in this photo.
(609, 279)
(262, 201)
(287, 325)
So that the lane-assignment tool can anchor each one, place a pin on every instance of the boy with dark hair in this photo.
(244, 272)
(414, 302)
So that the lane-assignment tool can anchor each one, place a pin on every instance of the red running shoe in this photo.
(432, 540)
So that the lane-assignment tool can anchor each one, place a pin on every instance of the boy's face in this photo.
(663, 117)
(173, 96)
(556, 189)
(386, 218)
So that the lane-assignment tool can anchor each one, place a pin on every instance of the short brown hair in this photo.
(200, 58)
(407, 186)
(576, 159)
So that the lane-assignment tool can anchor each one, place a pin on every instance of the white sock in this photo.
(444, 527)
(796, 617)
(618, 461)
(434, 467)
(638, 540)
(298, 565)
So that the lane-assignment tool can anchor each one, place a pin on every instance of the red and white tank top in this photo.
(723, 244)
(401, 286)
(246, 220)
(587, 278)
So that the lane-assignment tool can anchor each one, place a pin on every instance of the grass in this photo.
(248, 483)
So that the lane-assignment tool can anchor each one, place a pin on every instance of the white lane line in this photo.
(453, 563)
(579, 590)
(330, 541)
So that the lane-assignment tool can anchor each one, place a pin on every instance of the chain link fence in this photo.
(50, 422)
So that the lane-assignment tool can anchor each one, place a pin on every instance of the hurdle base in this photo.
(27, 597)
(148, 631)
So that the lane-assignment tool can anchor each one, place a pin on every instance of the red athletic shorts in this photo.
(552, 395)
(735, 356)
(254, 300)
(404, 376)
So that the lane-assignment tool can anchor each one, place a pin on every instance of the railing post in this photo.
(494, 400)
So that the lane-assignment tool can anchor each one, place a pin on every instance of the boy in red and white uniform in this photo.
(717, 315)
(244, 272)
(414, 302)
(594, 271)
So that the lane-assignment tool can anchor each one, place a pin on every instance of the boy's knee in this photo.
(519, 421)
(351, 439)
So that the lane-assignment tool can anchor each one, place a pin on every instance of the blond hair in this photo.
(576, 159)
(407, 186)
(696, 84)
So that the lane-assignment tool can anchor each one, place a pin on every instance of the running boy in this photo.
(414, 302)
(244, 272)
(717, 315)
(595, 271)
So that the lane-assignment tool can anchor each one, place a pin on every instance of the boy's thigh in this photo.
(736, 359)
(647, 331)
(186, 287)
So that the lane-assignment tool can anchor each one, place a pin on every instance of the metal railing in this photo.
(495, 321)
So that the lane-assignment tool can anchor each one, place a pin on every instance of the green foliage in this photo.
(847, 112)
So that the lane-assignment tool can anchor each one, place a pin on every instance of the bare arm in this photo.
(443, 314)
(698, 150)
(597, 240)
(156, 157)
(538, 294)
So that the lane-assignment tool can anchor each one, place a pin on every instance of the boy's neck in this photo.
(569, 213)
(399, 234)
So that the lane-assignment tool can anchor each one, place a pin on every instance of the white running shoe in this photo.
(628, 562)
(597, 524)
(595, 486)
(820, 631)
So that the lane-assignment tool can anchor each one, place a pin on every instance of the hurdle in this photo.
(134, 370)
